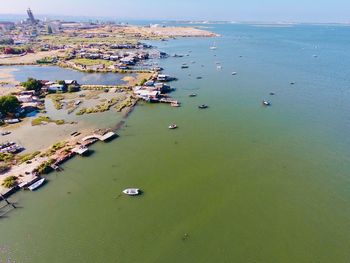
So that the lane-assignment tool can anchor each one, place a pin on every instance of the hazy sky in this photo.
(237, 10)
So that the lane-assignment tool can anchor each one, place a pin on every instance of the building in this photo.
(57, 88)
(5, 26)
(31, 18)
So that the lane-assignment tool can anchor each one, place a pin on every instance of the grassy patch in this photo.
(6, 157)
(57, 101)
(99, 108)
(28, 157)
(10, 182)
(45, 119)
(91, 62)
(45, 167)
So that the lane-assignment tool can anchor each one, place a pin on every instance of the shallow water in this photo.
(52, 73)
(235, 183)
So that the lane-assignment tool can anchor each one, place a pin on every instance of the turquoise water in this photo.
(235, 183)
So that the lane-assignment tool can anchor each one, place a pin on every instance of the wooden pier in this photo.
(5, 206)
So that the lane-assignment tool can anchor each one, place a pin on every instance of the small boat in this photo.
(272, 93)
(172, 126)
(192, 95)
(219, 67)
(175, 104)
(234, 73)
(292, 83)
(184, 66)
(131, 191)
(213, 47)
(199, 77)
(5, 133)
(36, 185)
(203, 106)
(266, 103)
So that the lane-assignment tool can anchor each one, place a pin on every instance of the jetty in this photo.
(5, 206)
(102, 137)
(168, 100)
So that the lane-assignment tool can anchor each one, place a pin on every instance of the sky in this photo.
(232, 10)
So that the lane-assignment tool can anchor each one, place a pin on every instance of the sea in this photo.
(236, 182)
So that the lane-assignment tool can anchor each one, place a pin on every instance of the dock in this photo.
(81, 150)
(102, 137)
(168, 100)
(5, 206)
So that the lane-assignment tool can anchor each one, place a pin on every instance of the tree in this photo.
(4, 168)
(9, 104)
(73, 88)
(32, 84)
(7, 41)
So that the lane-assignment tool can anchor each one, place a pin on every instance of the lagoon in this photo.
(21, 73)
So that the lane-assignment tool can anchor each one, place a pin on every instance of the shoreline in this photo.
(51, 155)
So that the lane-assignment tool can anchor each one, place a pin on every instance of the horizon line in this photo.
(179, 20)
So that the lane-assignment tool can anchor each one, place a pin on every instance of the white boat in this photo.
(213, 47)
(36, 185)
(172, 126)
(234, 73)
(131, 191)
(266, 103)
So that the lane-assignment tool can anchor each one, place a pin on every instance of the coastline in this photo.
(25, 172)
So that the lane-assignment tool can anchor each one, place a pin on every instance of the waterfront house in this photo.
(71, 82)
(149, 83)
(164, 78)
(147, 94)
(57, 88)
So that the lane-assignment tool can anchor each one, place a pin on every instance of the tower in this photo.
(31, 16)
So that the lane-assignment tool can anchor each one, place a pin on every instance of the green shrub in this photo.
(10, 182)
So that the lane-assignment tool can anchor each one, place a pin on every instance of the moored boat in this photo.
(192, 95)
(131, 191)
(203, 106)
(5, 133)
(172, 126)
(266, 103)
(36, 185)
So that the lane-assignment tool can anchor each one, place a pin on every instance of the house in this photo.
(57, 88)
(147, 94)
(163, 77)
(114, 57)
(149, 83)
(128, 61)
(71, 82)
(25, 98)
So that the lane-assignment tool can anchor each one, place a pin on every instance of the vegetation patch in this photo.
(99, 108)
(57, 101)
(45, 167)
(6, 157)
(91, 62)
(45, 119)
(10, 182)
(4, 168)
(28, 157)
